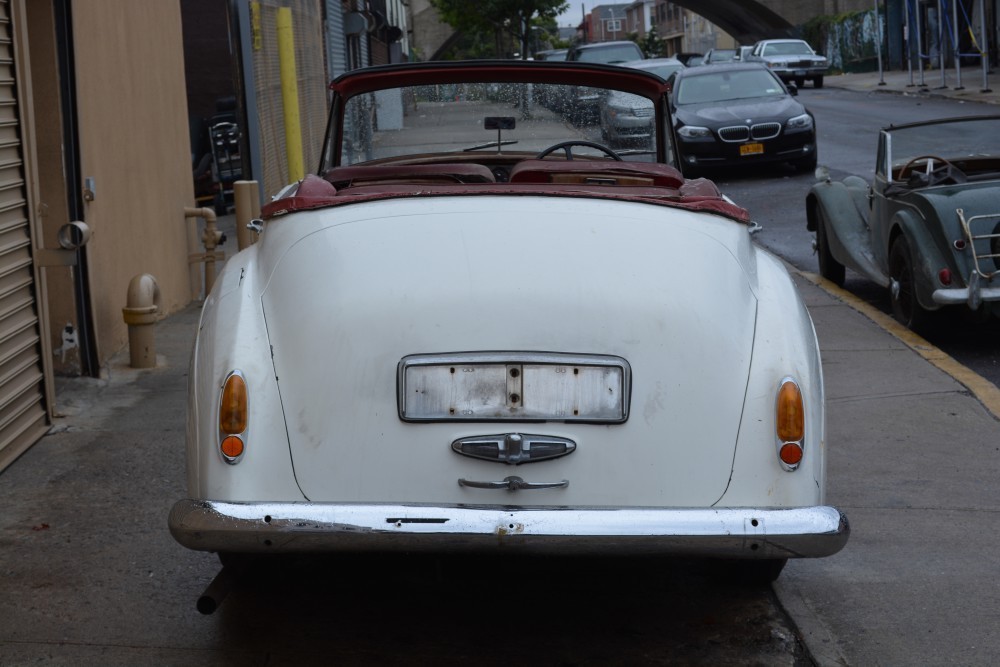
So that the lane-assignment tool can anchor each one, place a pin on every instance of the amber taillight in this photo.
(233, 417)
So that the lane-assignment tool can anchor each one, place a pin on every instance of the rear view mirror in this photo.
(499, 123)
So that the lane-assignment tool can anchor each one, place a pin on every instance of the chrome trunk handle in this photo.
(513, 483)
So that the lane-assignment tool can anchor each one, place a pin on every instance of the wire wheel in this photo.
(902, 286)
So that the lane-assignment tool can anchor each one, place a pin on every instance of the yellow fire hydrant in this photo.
(140, 314)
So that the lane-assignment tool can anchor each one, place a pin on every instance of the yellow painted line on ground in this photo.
(984, 390)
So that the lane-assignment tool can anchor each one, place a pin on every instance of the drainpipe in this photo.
(140, 313)
(211, 237)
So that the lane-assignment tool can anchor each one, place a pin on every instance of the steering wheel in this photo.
(567, 146)
(944, 172)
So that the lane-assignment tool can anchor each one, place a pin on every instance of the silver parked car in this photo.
(792, 60)
(625, 117)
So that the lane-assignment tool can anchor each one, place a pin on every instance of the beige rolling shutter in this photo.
(23, 417)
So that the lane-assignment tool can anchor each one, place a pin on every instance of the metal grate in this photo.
(734, 133)
(765, 130)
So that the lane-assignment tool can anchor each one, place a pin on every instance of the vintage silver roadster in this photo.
(478, 329)
(927, 227)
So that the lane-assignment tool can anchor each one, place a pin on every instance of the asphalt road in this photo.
(848, 123)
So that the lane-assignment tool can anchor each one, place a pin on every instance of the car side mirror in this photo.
(793, 90)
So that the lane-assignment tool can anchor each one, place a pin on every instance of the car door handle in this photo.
(513, 483)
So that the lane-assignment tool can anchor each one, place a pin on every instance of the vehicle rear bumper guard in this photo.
(972, 296)
(290, 527)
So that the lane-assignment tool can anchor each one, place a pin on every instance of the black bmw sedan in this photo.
(735, 115)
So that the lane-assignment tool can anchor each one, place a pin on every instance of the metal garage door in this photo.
(23, 417)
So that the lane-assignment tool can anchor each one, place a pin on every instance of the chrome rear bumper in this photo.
(805, 532)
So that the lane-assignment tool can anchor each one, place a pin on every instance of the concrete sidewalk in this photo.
(906, 83)
(914, 460)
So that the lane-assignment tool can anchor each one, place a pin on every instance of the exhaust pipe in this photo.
(217, 591)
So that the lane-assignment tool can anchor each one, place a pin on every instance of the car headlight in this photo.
(803, 122)
(694, 132)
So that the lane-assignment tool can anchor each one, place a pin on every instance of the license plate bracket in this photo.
(505, 386)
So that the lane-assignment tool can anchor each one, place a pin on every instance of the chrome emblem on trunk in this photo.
(514, 448)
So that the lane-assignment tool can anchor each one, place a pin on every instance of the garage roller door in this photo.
(23, 417)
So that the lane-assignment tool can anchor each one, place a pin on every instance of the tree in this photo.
(498, 19)
(652, 45)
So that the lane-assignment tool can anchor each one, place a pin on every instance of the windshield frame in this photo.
(372, 79)
(894, 141)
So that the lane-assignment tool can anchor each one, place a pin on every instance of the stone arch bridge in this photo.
(751, 20)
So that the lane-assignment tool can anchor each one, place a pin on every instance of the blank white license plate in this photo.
(506, 386)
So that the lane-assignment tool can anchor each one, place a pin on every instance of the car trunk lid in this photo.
(643, 299)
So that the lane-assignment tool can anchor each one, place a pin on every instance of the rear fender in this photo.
(844, 207)
(927, 256)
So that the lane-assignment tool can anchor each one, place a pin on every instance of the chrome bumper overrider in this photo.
(971, 297)
(804, 532)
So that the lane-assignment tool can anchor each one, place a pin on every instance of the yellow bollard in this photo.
(290, 95)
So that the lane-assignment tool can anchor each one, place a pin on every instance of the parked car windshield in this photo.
(729, 85)
(664, 71)
(787, 49)
(721, 55)
(609, 54)
(459, 119)
(952, 140)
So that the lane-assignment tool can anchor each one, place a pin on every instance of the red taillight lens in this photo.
(232, 447)
(944, 275)
(790, 453)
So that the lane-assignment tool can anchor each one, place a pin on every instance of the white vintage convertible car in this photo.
(476, 328)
